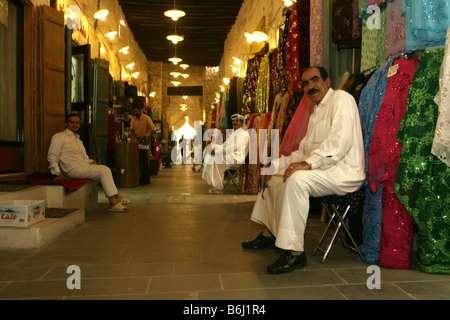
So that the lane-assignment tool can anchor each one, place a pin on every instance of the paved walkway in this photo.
(179, 243)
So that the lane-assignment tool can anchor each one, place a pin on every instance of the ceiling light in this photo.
(175, 74)
(185, 75)
(226, 80)
(152, 94)
(183, 107)
(257, 36)
(175, 38)
(111, 35)
(249, 37)
(184, 65)
(185, 97)
(289, 3)
(130, 66)
(175, 60)
(176, 83)
(237, 61)
(122, 22)
(234, 68)
(135, 75)
(124, 50)
(174, 14)
(101, 14)
(222, 88)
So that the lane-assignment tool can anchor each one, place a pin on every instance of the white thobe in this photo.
(231, 154)
(333, 146)
(67, 154)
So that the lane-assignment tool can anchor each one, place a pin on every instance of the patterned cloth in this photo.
(422, 183)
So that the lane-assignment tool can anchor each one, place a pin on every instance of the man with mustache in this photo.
(329, 160)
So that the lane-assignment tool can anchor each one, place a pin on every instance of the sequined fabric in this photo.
(369, 104)
(395, 30)
(292, 67)
(397, 226)
(422, 183)
(251, 81)
(441, 141)
(316, 33)
(426, 23)
(263, 86)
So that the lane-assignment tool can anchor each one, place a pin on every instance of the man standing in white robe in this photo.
(329, 160)
(231, 154)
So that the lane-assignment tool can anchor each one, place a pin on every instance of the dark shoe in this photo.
(287, 263)
(260, 242)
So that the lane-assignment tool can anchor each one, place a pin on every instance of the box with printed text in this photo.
(21, 213)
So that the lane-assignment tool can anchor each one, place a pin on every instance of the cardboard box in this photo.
(21, 213)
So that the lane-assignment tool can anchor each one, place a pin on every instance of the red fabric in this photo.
(49, 179)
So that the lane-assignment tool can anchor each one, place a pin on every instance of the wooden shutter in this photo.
(50, 81)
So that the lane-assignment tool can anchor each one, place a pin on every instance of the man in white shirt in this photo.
(231, 154)
(68, 160)
(329, 160)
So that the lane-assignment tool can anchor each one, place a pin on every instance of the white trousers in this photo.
(284, 209)
(98, 173)
(213, 173)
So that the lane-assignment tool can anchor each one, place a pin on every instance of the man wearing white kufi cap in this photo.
(231, 154)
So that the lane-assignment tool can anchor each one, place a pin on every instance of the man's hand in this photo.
(294, 166)
(60, 177)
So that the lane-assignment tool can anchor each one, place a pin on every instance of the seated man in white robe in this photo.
(231, 154)
(329, 160)
(68, 160)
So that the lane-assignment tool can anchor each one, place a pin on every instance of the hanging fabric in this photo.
(316, 33)
(397, 226)
(422, 179)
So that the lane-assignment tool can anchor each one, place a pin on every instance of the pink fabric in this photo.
(384, 155)
(316, 33)
(298, 126)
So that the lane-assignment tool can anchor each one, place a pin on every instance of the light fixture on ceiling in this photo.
(185, 75)
(237, 61)
(111, 35)
(135, 75)
(176, 83)
(184, 66)
(289, 3)
(185, 97)
(101, 14)
(175, 38)
(152, 94)
(256, 36)
(122, 22)
(175, 74)
(226, 80)
(124, 50)
(175, 60)
(130, 66)
(222, 88)
(175, 14)
(183, 107)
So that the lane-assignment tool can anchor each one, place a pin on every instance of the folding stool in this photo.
(337, 208)
(230, 175)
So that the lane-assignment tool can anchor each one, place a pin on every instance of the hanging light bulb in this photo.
(135, 75)
(175, 60)
(259, 36)
(184, 66)
(111, 35)
(175, 38)
(124, 50)
(152, 94)
(226, 80)
(237, 61)
(176, 83)
(175, 74)
(101, 14)
(185, 97)
(130, 66)
(174, 14)
(183, 107)
(185, 75)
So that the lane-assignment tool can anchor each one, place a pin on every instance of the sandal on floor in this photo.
(125, 201)
(118, 208)
(214, 191)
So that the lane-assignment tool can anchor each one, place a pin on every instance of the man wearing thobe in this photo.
(231, 154)
(68, 159)
(142, 130)
(329, 160)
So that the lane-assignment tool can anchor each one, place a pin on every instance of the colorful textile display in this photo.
(422, 183)
(397, 226)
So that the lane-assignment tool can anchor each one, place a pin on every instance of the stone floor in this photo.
(178, 243)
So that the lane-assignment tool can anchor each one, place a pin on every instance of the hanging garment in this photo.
(397, 226)
(441, 141)
(262, 86)
(316, 33)
(426, 23)
(253, 168)
(355, 85)
(373, 40)
(422, 183)
(342, 25)
(369, 104)
(251, 80)
(298, 126)
(395, 30)
(225, 123)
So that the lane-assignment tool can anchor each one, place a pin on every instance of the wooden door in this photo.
(100, 103)
(50, 81)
